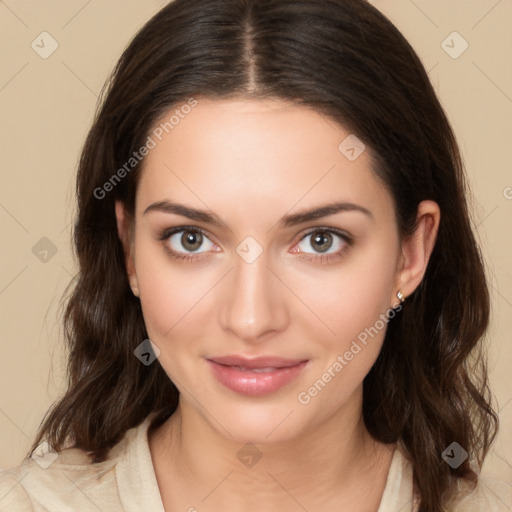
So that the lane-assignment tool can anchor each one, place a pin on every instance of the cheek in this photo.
(353, 309)
(171, 304)
(344, 360)
(167, 292)
(347, 299)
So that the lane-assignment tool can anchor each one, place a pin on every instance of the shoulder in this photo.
(13, 497)
(490, 495)
(70, 480)
(67, 480)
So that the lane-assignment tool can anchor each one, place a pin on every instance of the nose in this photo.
(254, 301)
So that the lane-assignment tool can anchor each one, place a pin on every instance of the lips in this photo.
(256, 362)
(255, 376)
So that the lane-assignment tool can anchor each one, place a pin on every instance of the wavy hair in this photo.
(347, 61)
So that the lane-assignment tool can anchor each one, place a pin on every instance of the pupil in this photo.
(322, 238)
(191, 240)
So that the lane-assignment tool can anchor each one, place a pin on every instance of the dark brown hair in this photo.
(347, 61)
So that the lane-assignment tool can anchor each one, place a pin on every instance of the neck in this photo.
(194, 459)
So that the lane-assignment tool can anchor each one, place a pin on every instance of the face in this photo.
(259, 308)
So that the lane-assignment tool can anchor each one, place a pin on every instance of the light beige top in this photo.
(126, 481)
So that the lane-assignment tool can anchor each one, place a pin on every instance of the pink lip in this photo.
(247, 381)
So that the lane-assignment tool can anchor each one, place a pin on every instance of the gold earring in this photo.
(400, 296)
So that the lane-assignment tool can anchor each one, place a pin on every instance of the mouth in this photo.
(256, 376)
(256, 370)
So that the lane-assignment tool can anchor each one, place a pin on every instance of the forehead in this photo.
(256, 157)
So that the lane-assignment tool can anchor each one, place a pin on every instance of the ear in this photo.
(124, 231)
(417, 248)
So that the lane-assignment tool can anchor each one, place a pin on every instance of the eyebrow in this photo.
(285, 222)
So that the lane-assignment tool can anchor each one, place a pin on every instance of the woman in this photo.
(271, 193)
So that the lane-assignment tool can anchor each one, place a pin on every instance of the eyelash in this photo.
(321, 258)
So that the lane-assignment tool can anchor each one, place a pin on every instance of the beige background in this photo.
(47, 107)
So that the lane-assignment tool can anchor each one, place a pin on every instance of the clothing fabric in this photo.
(126, 482)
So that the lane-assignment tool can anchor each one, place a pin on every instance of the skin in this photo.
(250, 163)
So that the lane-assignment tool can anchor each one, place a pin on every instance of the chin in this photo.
(259, 423)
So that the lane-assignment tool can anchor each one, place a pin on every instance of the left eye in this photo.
(323, 240)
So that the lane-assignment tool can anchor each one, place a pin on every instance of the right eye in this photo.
(184, 242)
